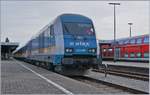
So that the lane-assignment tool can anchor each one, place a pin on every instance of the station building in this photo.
(7, 49)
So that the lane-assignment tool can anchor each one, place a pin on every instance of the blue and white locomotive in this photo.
(68, 46)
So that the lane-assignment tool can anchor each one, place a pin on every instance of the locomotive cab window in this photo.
(79, 29)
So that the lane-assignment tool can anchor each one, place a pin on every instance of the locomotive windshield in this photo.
(78, 29)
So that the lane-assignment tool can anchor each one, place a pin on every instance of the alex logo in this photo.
(79, 44)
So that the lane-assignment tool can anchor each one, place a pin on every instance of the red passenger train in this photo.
(128, 49)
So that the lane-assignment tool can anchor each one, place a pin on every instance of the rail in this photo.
(123, 88)
(134, 75)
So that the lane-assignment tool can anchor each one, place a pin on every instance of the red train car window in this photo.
(110, 49)
(120, 42)
(146, 39)
(146, 55)
(132, 55)
(126, 41)
(132, 41)
(138, 54)
(139, 41)
(126, 55)
(104, 50)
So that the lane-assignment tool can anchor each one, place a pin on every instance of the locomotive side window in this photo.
(52, 36)
(52, 30)
(146, 55)
(139, 54)
(146, 40)
(139, 41)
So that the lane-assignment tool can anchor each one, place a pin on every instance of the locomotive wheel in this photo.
(51, 67)
(37, 64)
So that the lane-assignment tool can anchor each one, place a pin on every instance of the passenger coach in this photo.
(128, 49)
(67, 45)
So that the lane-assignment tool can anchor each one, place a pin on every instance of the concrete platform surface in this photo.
(23, 78)
(122, 81)
(131, 64)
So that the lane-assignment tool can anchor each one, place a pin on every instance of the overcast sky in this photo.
(20, 20)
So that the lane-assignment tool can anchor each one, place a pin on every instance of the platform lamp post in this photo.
(130, 28)
(114, 4)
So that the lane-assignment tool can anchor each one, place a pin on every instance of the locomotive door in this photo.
(117, 52)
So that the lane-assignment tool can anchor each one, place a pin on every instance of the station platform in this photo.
(139, 85)
(128, 64)
(23, 78)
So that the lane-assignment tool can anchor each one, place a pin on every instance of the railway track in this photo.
(134, 75)
(107, 87)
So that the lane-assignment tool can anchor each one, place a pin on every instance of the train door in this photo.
(117, 52)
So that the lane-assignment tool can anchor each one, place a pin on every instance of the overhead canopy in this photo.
(8, 47)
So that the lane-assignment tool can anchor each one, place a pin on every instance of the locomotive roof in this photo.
(74, 18)
(64, 17)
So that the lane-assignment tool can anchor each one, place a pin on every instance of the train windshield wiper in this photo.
(66, 28)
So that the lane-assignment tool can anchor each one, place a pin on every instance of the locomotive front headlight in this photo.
(93, 50)
(89, 50)
(68, 50)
